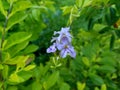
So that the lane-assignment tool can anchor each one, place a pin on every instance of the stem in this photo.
(2, 41)
(5, 25)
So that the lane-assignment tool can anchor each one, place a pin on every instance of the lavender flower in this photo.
(67, 50)
(51, 48)
(62, 43)
(63, 33)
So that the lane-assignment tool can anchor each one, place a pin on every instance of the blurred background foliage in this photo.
(26, 29)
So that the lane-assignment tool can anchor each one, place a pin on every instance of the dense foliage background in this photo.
(26, 29)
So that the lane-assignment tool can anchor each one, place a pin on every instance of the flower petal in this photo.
(66, 29)
(72, 52)
(63, 53)
(60, 46)
(51, 49)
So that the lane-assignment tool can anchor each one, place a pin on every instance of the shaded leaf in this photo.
(51, 80)
(107, 69)
(29, 49)
(12, 88)
(97, 80)
(112, 41)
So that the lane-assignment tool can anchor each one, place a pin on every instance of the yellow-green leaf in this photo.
(103, 87)
(20, 6)
(1, 66)
(2, 9)
(80, 86)
(14, 78)
(29, 67)
(16, 38)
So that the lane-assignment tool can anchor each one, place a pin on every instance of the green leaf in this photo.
(19, 60)
(19, 77)
(15, 79)
(6, 56)
(1, 84)
(117, 32)
(29, 49)
(86, 61)
(107, 60)
(80, 86)
(98, 27)
(96, 88)
(97, 80)
(87, 3)
(36, 14)
(12, 88)
(16, 38)
(105, 1)
(1, 66)
(36, 86)
(29, 67)
(107, 69)
(16, 18)
(65, 86)
(51, 81)
(49, 4)
(20, 6)
(17, 48)
(79, 3)
(22, 62)
(103, 87)
(5, 71)
(2, 9)
(25, 75)
(11, 1)
(66, 9)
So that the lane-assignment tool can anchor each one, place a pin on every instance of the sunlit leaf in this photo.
(2, 10)
(14, 79)
(16, 38)
(80, 86)
(20, 6)
(17, 48)
(29, 67)
(16, 18)
(103, 87)
(66, 9)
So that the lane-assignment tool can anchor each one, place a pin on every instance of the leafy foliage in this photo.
(26, 28)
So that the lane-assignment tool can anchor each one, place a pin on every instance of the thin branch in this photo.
(2, 41)
(5, 24)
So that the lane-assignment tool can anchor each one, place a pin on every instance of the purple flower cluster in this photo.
(62, 43)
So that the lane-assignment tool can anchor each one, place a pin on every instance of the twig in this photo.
(2, 41)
